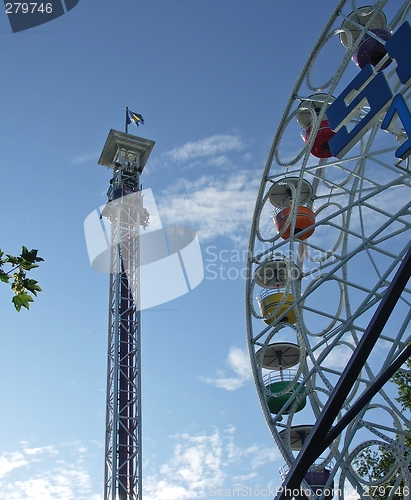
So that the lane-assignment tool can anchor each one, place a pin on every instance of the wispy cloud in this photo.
(85, 158)
(217, 153)
(50, 450)
(210, 146)
(255, 455)
(10, 461)
(44, 473)
(213, 206)
(200, 465)
(195, 466)
(220, 203)
(239, 363)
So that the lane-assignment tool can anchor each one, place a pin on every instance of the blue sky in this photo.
(211, 80)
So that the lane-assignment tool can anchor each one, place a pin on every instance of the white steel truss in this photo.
(123, 465)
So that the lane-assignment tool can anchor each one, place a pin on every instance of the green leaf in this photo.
(24, 289)
(22, 300)
(4, 276)
(30, 256)
(27, 265)
(32, 286)
(13, 260)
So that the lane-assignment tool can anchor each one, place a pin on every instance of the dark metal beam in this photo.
(379, 382)
(314, 444)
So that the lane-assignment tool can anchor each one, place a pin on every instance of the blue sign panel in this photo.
(399, 109)
(377, 94)
(372, 89)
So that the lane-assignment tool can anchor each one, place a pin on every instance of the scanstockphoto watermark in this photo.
(127, 236)
(225, 264)
(232, 264)
(271, 492)
(26, 15)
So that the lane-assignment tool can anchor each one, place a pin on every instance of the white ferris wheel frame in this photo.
(355, 192)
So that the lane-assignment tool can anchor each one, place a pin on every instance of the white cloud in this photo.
(212, 206)
(256, 455)
(200, 463)
(220, 161)
(238, 361)
(41, 450)
(10, 461)
(220, 204)
(59, 484)
(47, 474)
(85, 158)
(338, 358)
(210, 146)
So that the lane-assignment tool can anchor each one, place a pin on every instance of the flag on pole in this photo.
(134, 118)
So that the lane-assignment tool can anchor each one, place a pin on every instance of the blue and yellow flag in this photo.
(134, 118)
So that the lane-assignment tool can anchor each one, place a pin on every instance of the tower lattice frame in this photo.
(127, 155)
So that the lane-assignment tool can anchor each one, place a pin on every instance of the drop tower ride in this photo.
(126, 155)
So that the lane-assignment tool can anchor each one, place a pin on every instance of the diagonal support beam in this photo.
(317, 439)
(365, 398)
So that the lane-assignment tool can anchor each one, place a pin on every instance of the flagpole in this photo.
(126, 119)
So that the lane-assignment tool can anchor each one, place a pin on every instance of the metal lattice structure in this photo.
(330, 237)
(126, 155)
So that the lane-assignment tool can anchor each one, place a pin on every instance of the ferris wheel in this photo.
(330, 232)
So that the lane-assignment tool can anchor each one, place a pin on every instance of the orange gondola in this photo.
(305, 218)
